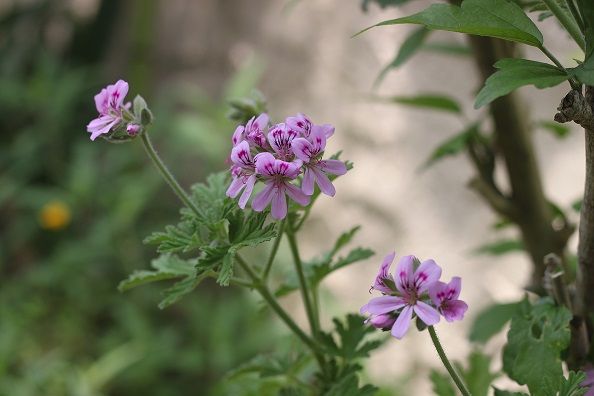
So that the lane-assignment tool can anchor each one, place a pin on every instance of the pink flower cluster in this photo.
(414, 289)
(113, 112)
(280, 156)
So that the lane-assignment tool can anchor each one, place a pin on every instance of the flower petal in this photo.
(303, 149)
(279, 203)
(249, 187)
(426, 313)
(296, 194)
(237, 135)
(454, 310)
(307, 185)
(454, 288)
(265, 164)
(235, 187)
(382, 305)
(263, 198)
(404, 274)
(102, 125)
(402, 322)
(437, 292)
(335, 167)
(384, 273)
(427, 274)
(323, 182)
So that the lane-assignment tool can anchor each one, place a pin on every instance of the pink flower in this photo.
(384, 281)
(303, 125)
(253, 131)
(244, 173)
(310, 152)
(277, 176)
(280, 138)
(445, 298)
(589, 381)
(109, 103)
(382, 322)
(412, 286)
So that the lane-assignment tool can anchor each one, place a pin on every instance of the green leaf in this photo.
(349, 386)
(499, 392)
(351, 334)
(448, 49)
(407, 50)
(478, 375)
(584, 72)
(453, 145)
(558, 130)
(494, 18)
(577, 205)
(586, 8)
(166, 267)
(537, 336)
(490, 321)
(271, 366)
(501, 247)
(572, 385)
(433, 102)
(442, 384)
(515, 73)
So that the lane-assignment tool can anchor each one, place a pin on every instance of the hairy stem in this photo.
(444, 359)
(303, 286)
(167, 175)
(273, 251)
(567, 21)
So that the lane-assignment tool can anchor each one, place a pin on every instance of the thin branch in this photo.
(498, 202)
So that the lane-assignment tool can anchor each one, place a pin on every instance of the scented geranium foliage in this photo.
(286, 158)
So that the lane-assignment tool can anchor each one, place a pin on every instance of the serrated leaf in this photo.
(441, 384)
(537, 336)
(493, 18)
(350, 335)
(585, 71)
(558, 130)
(571, 386)
(433, 102)
(166, 267)
(515, 73)
(271, 366)
(501, 247)
(181, 288)
(453, 145)
(413, 42)
(490, 321)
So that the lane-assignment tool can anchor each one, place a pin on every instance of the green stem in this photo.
(576, 14)
(275, 246)
(574, 83)
(567, 21)
(444, 359)
(313, 322)
(271, 300)
(169, 178)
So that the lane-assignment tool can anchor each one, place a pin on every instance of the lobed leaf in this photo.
(351, 338)
(453, 145)
(515, 73)
(537, 336)
(442, 384)
(493, 18)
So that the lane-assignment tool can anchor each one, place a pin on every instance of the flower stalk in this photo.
(444, 359)
(167, 175)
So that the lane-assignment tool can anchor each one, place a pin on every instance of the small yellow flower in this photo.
(54, 215)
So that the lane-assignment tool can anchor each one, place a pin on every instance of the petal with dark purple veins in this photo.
(404, 274)
(249, 187)
(426, 275)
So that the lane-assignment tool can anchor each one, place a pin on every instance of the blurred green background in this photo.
(73, 212)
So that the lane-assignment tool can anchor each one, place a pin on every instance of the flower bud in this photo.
(383, 322)
(133, 129)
